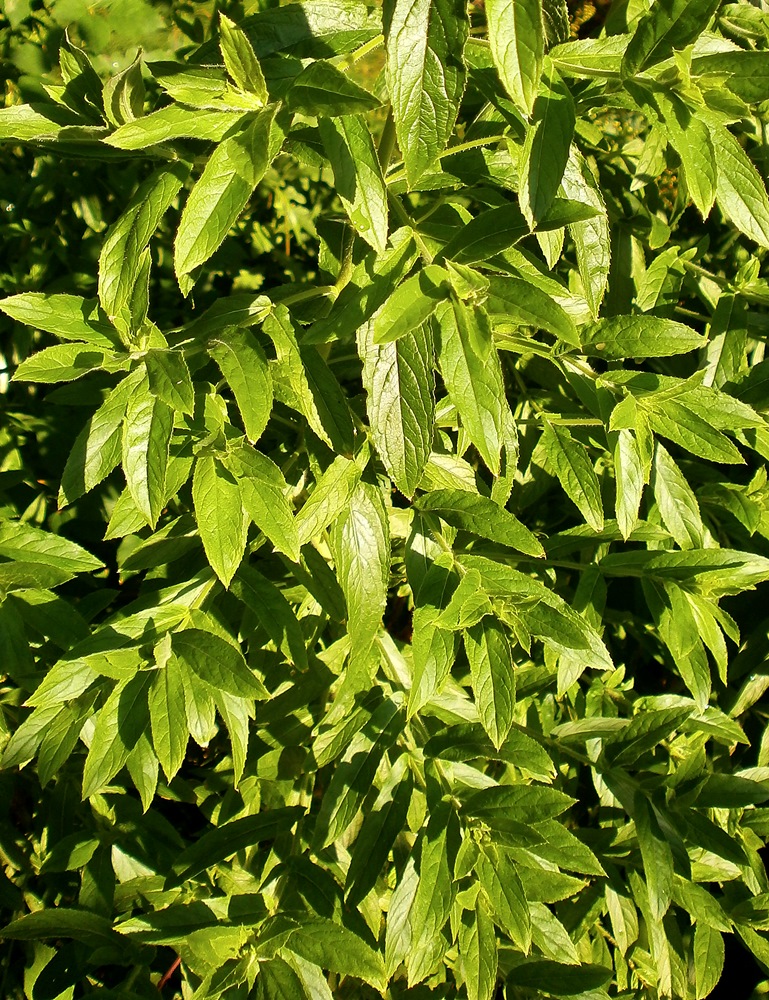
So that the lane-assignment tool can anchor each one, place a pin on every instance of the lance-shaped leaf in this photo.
(519, 301)
(169, 379)
(669, 25)
(174, 122)
(67, 362)
(322, 89)
(68, 317)
(689, 135)
(546, 150)
(222, 520)
(639, 336)
(98, 447)
(412, 303)
(168, 717)
(217, 662)
(517, 39)
(147, 427)
(19, 540)
(487, 234)
(263, 491)
(591, 236)
(357, 176)
(478, 951)
(571, 464)
(473, 376)
(224, 841)
(121, 255)
(657, 856)
(274, 612)
(433, 898)
(361, 546)
(425, 76)
(242, 362)
(240, 60)
(629, 480)
(740, 190)
(727, 340)
(221, 193)
(398, 379)
(119, 724)
(676, 501)
(329, 499)
(482, 517)
(505, 893)
(492, 675)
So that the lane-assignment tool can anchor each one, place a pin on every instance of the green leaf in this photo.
(715, 571)
(517, 39)
(244, 366)
(67, 362)
(228, 839)
(361, 546)
(398, 379)
(411, 304)
(19, 540)
(691, 139)
(478, 952)
(322, 89)
(357, 176)
(657, 856)
(331, 496)
(121, 721)
(518, 301)
(676, 501)
(472, 374)
(240, 60)
(487, 234)
(119, 261)
(740, 191)
(669, 25)
(63, 922)
(264, 491)
(482, 517)
(546, 150)
(168, 717)
(492, 675)
(221, 193)
(591, 237)
(353, 776)
(560, 980)
(517, 803)
(424, 44)
(381, 826)
(571, 463)
(433, 898)
(217, 662)
(629, 480)
(619, 337)
(273, 611)
(709, 953)
(68, 317)
(147, 426)
(222, 520)
(334, 947)
(504, 891)
(169, 379)
(746, 72)
(174, 122)
(727, 340)
(678, 422)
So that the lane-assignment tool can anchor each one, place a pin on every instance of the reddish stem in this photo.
(176, 963)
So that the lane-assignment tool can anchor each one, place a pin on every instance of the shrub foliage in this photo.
(384, 499)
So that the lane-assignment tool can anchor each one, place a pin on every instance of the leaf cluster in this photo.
(384, 517)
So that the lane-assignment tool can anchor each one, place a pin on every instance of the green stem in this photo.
(462, 147)
(406, 220)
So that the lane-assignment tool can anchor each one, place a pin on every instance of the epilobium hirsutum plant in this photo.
(379, 611)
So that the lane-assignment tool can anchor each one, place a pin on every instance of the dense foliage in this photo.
(384, 515)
